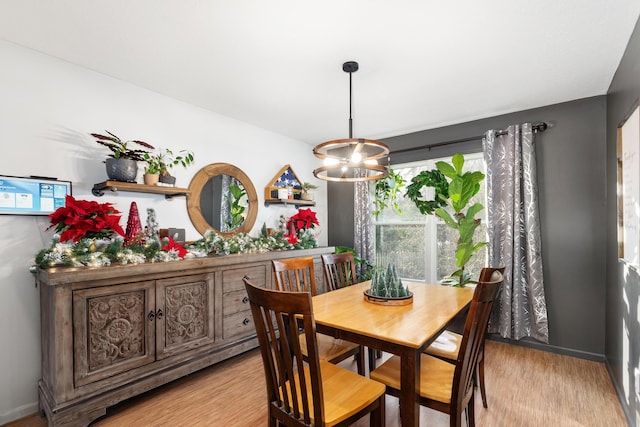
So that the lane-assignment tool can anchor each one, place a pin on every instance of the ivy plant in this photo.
(386, 192)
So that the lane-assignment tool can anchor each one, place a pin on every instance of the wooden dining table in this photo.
(404, 330)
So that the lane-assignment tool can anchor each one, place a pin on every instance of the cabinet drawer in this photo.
(235, 301)
(238, 324)
(232, 279)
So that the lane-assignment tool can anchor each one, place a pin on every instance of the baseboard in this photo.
(621, 396)
(550, 348)
(17, 413)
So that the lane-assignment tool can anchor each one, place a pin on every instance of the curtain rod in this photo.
(536, 127)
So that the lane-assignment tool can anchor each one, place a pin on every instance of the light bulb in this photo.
(356, 157)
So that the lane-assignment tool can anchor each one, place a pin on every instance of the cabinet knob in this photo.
(246, 321)
(151, 316)
(245, 300)
(159, 314)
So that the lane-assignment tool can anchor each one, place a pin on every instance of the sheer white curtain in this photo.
(513, 226)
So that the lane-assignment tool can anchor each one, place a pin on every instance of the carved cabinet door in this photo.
(113, 329)
(184, 314)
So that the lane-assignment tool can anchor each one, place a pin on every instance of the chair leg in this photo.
(483, 392)
(471, 419)
(360, 362)
(377, 416)
(372, 359)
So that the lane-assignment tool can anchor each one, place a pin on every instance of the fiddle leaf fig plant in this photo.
(462, 187)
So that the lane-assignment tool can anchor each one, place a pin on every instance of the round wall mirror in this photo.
(222, 199)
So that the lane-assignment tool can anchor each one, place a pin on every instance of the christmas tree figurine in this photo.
(133, 233)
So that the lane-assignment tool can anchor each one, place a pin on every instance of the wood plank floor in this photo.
(525, 387)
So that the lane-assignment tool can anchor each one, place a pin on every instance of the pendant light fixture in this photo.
(352, 159)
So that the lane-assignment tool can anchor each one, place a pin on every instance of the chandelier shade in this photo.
(351, 159)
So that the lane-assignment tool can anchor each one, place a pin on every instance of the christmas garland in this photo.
(433, 178)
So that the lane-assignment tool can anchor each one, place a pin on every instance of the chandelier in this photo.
(351, 159)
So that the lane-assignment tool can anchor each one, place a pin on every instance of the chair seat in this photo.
(345, 392)
(329, 348)
(446, 346)
(436, 377)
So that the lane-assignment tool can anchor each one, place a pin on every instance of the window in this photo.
(422, 247)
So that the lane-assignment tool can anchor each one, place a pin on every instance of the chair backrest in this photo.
(284, 368)
(487, 272)
(295, 275)
(339, 270)
(473, 336)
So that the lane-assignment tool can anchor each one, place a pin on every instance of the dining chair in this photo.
(317, 392)
(447, 345)
(298, 275)
(449, 387)
(340, 271)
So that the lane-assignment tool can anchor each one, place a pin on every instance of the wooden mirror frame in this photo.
(196, 186)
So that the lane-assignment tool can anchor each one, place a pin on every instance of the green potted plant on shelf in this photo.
(307, 194)
(164, 160)
(122, 162)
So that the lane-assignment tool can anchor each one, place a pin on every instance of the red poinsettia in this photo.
(82, 218)
(304, 219)
(171, 244)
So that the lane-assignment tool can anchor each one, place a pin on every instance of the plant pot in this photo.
(124, 170)
(168, 179)
(307, 196)
(151, 178)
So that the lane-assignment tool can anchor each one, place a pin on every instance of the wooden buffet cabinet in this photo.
(110, 333)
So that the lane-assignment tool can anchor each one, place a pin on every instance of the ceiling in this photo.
(277, 64)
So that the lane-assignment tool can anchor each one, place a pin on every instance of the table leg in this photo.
(409, 389)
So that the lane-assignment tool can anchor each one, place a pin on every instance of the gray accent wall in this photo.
(593, 299)
(571, 164)
(622, 283)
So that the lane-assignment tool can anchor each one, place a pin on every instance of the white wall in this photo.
(48, 108)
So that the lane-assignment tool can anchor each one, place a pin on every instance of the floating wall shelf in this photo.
(290, 202)
(169, 192)
(285, 179)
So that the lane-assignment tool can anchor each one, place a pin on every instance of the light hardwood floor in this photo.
(525, 387)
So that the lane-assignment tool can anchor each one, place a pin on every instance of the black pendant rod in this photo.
(536, 127)
(350, 67)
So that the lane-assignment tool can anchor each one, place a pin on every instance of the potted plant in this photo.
(306, 193)
(386, 192)
(453, 189)
(154, 168)
(164, 160)
(122, 162)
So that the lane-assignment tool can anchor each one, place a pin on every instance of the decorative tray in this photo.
(374, 299)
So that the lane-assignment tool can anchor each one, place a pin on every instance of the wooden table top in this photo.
(409, 325)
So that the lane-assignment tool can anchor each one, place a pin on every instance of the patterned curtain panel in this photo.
(362, 223)
(514, 234)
